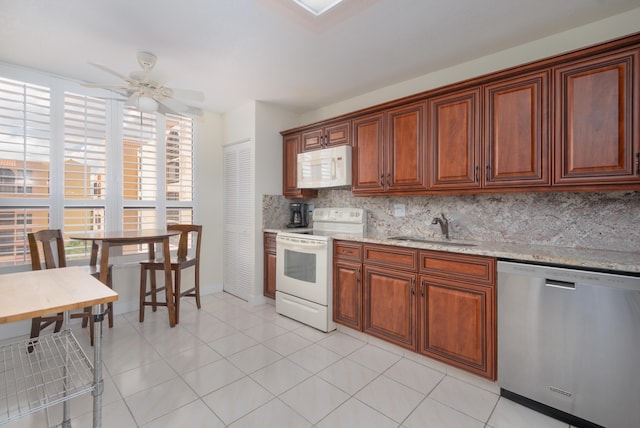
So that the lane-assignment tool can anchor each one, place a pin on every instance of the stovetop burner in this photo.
(328, 222)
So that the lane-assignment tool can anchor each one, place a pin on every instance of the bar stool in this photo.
(188, 233)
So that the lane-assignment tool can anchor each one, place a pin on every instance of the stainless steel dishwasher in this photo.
(569, 343)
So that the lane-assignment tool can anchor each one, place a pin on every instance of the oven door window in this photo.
(300, 266)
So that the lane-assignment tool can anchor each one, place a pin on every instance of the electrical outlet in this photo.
(399, 210)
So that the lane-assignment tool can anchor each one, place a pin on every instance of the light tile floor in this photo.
(237, 365)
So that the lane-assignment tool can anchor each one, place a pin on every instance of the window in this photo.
(7, 181)
(98, 166)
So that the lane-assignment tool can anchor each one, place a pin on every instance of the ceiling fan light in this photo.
(317, 7)
(147, 104)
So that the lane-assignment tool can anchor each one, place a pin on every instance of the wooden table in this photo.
(133, 237)
(34, 381)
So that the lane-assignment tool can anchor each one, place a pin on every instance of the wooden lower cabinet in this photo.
(347, 284)
(457, 310)
(347, 294)
(269, 280)
(457, 323)
(390, 305)
(440, 304)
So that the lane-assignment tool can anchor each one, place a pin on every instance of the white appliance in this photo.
(304, 264)
(324, 168)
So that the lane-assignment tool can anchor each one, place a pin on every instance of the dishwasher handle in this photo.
(560, 284)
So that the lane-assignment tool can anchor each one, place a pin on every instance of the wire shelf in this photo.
(55, 371)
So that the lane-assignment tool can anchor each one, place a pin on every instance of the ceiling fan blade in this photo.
(110, 71)
(188, 94)
(163, 109)
(103, 86)
(173, 104)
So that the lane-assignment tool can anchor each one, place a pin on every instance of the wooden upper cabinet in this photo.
(338, 134)
(290, 150)
(368, 155)
(405, 159)
(597, 114)
(390, 152)
(516, 132)
(454, 140)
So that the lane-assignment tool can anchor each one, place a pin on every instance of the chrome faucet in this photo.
(444, 225)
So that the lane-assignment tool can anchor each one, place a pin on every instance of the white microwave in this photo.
(324, 168)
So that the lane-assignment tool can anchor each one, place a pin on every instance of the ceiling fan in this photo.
(147, 95)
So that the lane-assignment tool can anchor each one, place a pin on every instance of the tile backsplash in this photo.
(604, 220)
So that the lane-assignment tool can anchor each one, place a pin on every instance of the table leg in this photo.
(168, 282)
(66, 412)
(98, 382)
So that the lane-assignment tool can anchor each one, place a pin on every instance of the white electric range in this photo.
(304, 264)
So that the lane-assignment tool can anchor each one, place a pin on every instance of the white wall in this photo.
(270, 120)
(261, 123)
(208, 189)
(590, 34)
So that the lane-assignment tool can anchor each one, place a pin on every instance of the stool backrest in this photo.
(183, 245)
(47, 239)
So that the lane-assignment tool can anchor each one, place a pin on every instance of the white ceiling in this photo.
(270, 50)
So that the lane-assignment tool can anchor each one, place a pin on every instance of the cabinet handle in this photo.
(358, 275)
(389, 179)
(422, 288)
(413, 287)
(382, 180)
(638, 163)
(476, 173)
(488, 168)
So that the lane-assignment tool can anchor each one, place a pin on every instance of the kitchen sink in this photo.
(430, 241)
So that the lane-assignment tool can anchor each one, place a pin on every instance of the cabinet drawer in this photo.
(477, 269)
(346, 250)
(269, 241)
(391, 256)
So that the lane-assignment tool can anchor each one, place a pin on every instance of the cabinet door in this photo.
(347, 294)
(389, 305)
(337, 135)
(270, 274)
(269, 280)
(312, 140)
(516, 142)
(329, 136)
(368, 157)
(290, 150)
(454, 146)
(597, 111)
(456, 325)
(406, 161)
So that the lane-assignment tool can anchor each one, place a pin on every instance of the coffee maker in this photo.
(298, 215)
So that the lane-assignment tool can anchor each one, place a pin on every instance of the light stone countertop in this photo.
(621, 261)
